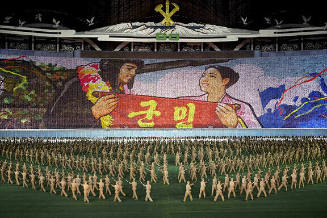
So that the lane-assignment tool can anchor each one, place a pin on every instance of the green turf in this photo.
(20, 202)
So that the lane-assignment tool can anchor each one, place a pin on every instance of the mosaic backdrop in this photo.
(61, 92)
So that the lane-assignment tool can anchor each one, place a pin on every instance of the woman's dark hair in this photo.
(110, 69)
(226, 72)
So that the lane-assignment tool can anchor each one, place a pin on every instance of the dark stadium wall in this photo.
(73, 14)
(224, 13)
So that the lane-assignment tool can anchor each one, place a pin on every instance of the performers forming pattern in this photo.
(239, 167)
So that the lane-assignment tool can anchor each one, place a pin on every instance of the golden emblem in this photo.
(168, 14)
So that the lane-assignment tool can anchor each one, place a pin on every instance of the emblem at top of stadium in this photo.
(167, 14)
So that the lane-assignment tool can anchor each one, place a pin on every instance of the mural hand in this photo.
(104, 106)
(226, 115)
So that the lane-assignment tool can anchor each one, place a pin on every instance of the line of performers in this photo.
(270, 182)
(99, 162)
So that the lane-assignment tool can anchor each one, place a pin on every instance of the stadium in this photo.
(163, 108)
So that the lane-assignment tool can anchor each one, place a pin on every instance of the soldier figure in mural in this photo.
(116, 76)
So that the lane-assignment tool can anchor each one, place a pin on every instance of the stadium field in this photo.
(21, 202)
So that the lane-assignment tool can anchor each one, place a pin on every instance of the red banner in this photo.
(135, 111)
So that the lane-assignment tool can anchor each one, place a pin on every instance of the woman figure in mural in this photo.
(231, 112)
(80, 103)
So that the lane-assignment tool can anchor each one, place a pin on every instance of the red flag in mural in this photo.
(135, 111)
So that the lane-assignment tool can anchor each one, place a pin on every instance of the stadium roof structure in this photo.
(126, 33)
